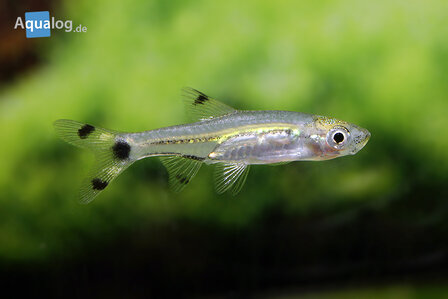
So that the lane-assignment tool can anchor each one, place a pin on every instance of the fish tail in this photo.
(112, 154)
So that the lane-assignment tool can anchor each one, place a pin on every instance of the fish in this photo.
(229, 139)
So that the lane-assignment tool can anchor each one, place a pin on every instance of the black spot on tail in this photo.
(200, 99)
(85, 131)
(121, 150)
(98, 184)
(182, 179)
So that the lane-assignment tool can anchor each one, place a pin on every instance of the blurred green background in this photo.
(365, 226)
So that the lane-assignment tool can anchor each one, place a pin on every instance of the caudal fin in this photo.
(112, 154)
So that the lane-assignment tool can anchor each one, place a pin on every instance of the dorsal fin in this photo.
(201, 106)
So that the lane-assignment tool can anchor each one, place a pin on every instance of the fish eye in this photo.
(338, 137)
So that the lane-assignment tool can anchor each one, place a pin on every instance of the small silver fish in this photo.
(229, 138)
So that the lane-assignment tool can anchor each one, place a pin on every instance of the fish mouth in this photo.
(363, 142)
(366, 139)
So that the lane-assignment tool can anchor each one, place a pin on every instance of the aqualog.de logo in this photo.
(39, 24)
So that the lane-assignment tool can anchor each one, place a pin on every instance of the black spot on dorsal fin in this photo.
(201, 106)
(99, 184)
(121, 150)
(85, 131)
(200, 99)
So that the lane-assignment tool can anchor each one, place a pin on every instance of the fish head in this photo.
(339, 138)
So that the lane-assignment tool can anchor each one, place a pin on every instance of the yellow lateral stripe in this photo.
(225, 134)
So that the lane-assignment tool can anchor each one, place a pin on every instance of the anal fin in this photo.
(180, 171)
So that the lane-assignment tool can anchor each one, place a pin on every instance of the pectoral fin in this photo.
(230, 176)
